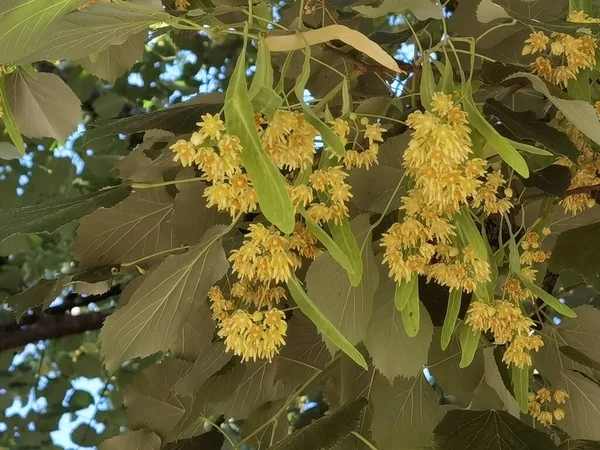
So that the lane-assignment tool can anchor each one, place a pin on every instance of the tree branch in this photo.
(51, 327)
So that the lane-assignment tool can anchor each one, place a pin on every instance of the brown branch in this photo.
(51, 327)
(364, 67)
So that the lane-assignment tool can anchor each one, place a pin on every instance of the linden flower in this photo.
(537, 42)
(184, 152)
(182, 4)
(562, 74)
(211, 126)
(340, 127)
(373, 133)
(542, 67)
(304, 242)
(559, 414)
(581, 17)
(560, 396)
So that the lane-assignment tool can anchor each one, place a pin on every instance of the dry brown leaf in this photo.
(332, 32)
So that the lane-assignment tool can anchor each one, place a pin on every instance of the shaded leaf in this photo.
(114, 61)
(578, 112)
(258, 418)
(9, 151)
(133, 440)
(482, 430)
(348, 308)
(303, 350)
(191, 217)
(34, 100)
(325, 432)
(444, 365)
(179, 119)
(210, 361)
(405, 412)
(394, 353)
(579, 444)
(41, 294)
(526, 126)
(49, 216)
(578, 357)
(196, 334)
(493, 378)
(137, 166)
(554, 180)
(158, 309)
(136, 228)
(422, 10)
(579, 250)
(27, 25)
(582, 410)
(150, 398)
(488, 11)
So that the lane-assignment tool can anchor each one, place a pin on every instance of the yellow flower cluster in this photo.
(575, 54)
(584, 173)
(289, 140)
(250, 322)
(217, 155)
(330, 182)
(445, 180)
(540, 402)
(182, 4)
(504, 317)
(373, 135)
(251, 336)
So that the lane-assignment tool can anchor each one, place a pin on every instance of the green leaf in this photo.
(578, 249)
(349, 308)
(548, 299)
(263, 77)
(266, 101)
(506, 151)
(140, 439)
(580, 88)
(110, 64)
(136, 228)
(454, 302)
(49, 216)
(8, 119)
(196, 335)
(446, 83)
(327, 431)
(334, 250)
(412, 310)
(520, 382)
(33, 101)
(394, 352)
(514, 257)
(579, 113)
(330, 139)
(422, 10)
(579, 444)
(405, 291)
(405, 412)
(323, 324)
(26, 25)
(526, 126)
(466, 226)
(346, 97)
(97, 28)
(444, 365)
(150, 400)
(158, 309)
(427, 83)
(469, 342)
(346, 239)
(260, 437)
(485, 430)
(554, 180)
(266, 179)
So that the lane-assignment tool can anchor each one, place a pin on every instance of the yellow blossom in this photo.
(304, 242)
(545, 418)
(182, 4)
(559, 414)
(184, 152)
(211, 126)
(560, 396)
(537, 42)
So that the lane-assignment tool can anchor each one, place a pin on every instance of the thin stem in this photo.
(364, 440)
(165, 183)
(485, 58)
(280, 410)
(502, 25)
(384, 117)
(170, 250)
(219, 429)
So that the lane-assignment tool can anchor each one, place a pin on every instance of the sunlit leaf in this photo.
(132, 440)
